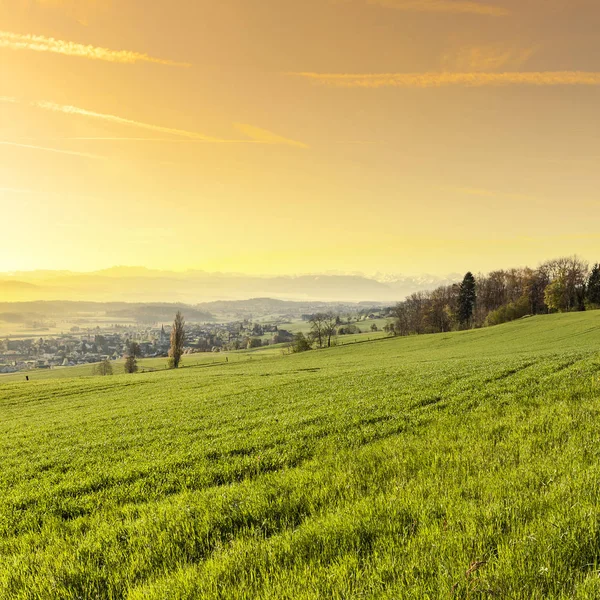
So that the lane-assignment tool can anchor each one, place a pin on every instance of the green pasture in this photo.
(364, 326)
(461, 465)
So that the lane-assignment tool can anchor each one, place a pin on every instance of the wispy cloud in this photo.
(475, 79)
(73, 110)
(445, 6)
(53, 150)
(133, 139)
(256, 135)
(39, 43)
(266, 137)
(163, 140)
(486, 58)
(9, 99)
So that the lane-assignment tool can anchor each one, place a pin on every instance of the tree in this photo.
(253, 342)
(415, 306)
(301, 343)
(572, 273)
(317, 327)
(177, 340)
(131, 364)
(466, 299)
(400, 325)
(103, 368)
(348, 329)
(593, 287)
(330, 322)
(556, 295)
(374, 327)
(438, 314)
(535, 287)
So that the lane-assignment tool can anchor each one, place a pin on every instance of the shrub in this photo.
(301, 343)
(103, 368)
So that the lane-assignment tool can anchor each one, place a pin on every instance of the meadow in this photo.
(460, 465)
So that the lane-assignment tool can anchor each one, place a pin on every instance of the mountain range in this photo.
(138, 284)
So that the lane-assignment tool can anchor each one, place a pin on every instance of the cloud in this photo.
(53, 150)
(486, 58)
(8, 99)
(444, 6)
(136, 139)
(256, 135)
(266, 137)
(474, 79)
(165, 140)
(73, 110)
(39, 43)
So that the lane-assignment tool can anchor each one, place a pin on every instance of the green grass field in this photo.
(364, 326)
(463, 465)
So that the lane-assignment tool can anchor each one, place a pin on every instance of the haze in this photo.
(278, 136)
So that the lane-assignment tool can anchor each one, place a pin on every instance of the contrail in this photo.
(40, 43)
(257, 135)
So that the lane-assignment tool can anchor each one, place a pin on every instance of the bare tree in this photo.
(317, 328)
(400, 325)
(330, 322)
(438, 316)
(568, 277)
(177, 340)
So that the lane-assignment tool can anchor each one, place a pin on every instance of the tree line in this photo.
(560, 285)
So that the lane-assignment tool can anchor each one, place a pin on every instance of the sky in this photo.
(288, 136)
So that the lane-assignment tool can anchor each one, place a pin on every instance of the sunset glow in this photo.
(421, 136)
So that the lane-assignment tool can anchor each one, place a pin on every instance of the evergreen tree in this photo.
(131, 364)
(177, 340)
(466, 299)
(593, 287)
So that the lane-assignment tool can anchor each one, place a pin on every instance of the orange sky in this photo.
(286, 136)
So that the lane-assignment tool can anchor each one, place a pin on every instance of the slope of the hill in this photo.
(464, 464)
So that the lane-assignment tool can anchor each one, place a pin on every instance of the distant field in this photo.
(364, 326)
(462, 465)
(22, 331)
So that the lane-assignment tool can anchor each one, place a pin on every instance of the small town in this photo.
(92, 345)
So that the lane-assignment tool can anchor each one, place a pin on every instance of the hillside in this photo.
(451, 465)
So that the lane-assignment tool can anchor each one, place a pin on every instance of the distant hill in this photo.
(22, 312)
(18, 290)
(157, 312)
